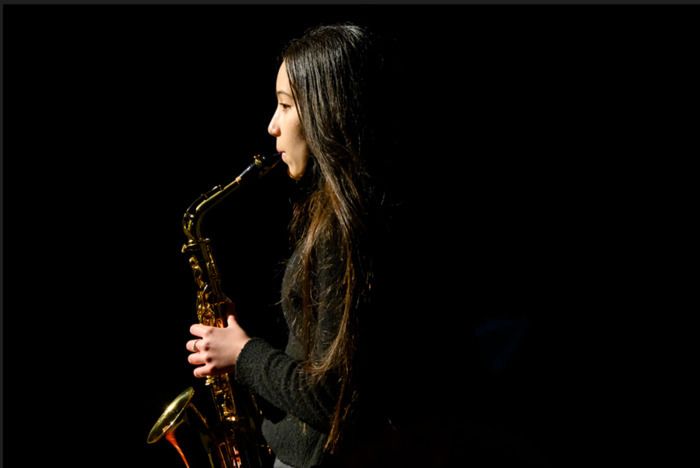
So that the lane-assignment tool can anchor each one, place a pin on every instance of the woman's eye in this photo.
(285, 106)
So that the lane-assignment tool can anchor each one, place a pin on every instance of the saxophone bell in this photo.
(176, 425)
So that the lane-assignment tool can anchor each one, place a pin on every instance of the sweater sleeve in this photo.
(279, 376)
(279, 379)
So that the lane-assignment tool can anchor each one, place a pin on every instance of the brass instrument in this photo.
(234, 440)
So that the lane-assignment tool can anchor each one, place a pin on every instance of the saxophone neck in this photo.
(192, 218)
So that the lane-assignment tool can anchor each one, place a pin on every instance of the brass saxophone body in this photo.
(234, 440)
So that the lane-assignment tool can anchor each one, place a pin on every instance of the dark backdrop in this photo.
(522, 137)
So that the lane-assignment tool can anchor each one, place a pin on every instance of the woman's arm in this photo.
(281, 380)
(271, 373)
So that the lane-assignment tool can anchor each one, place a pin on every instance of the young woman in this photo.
(331, 96)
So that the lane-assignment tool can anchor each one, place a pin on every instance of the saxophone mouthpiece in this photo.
(261, 165)
(268, 160)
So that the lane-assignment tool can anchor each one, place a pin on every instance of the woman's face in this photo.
(285, 126)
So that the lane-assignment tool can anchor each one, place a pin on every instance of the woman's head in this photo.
(332, 73)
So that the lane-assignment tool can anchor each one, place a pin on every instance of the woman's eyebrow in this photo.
(284, 92)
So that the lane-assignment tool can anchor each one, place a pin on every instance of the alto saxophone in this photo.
(234, 439)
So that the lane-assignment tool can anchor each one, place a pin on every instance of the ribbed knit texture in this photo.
(277, 376)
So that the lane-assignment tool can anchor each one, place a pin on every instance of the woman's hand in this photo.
(216, 350)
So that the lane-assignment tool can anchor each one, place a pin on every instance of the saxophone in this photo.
(233, 439)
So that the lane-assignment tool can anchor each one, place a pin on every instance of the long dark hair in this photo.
(335, 76)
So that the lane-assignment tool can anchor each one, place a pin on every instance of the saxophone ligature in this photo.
(232, 437)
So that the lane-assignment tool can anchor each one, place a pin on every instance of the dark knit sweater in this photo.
(298, 433)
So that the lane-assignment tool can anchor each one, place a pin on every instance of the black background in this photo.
(527, 134)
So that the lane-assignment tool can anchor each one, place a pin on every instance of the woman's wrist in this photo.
(240, 346)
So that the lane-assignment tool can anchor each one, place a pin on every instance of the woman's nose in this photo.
(272, 128)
